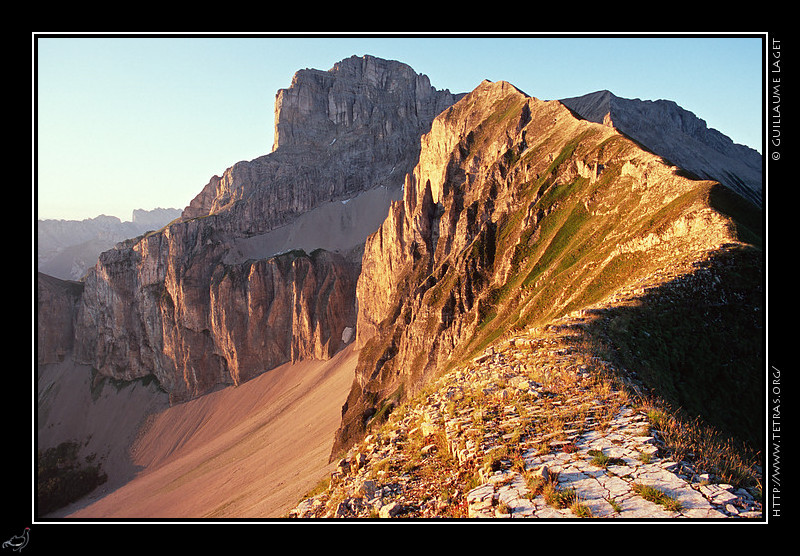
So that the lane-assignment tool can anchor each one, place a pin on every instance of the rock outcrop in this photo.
(517, 213)
(680, 137)
(56, 302)
(208, 301)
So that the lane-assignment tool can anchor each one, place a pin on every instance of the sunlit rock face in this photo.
(230, 289)
(518, 212)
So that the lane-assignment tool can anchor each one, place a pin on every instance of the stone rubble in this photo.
(491, 441)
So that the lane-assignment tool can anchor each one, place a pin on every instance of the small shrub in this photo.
(658, 418)
(599, 459)
(61, 478)
(581, 510)
(535, 484)
(657, 496)
(559, 498)
(614, 505)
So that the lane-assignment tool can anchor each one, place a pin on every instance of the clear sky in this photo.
(122, 122)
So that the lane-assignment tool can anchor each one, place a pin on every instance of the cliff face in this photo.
(337, 133)
(57, 302)
(517, 213)
(207, 300)
(196, 323)
(66, 249)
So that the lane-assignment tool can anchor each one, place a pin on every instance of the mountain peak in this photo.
(678, 136)
(359, 92)
(593, 106)
(505, 226)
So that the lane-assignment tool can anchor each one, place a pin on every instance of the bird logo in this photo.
(18, 542)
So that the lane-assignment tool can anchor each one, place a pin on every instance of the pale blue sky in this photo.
(125, 123)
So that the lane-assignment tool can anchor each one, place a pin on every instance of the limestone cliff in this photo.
(195, 322)
(66, 249)
(337, 133)
(517, 213)
(56, 302)
(208, 300)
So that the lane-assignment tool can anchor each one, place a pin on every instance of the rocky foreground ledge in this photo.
(532, 429)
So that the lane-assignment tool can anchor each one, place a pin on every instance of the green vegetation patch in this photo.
(599, 459)
(559, 498)
(657, 496)
(611, 277)
(99, 382)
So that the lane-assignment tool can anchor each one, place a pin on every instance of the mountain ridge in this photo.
(680, 137)
(537, 426)
(478, 179)
(510, 213)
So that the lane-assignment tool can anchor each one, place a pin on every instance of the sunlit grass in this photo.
(657, 496)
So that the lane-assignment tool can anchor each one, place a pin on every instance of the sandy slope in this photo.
(246, 452)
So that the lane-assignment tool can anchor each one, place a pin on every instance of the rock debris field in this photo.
(526, 430)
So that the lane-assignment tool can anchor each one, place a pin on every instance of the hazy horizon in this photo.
(124, 123)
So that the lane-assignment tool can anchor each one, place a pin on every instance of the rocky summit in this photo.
(557, 307)
(679, 136)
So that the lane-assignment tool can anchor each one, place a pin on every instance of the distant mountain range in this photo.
(67, 248)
